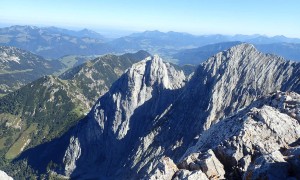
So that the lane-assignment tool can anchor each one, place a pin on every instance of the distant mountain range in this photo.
(159, 41)
(194, 56)
(53, 42)
(84, 33)
(287, 50)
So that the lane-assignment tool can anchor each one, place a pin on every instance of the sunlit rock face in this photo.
(120, 117)
(238, 106)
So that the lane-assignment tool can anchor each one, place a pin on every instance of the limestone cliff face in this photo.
(121, 116)
(149, 120)
(222, 85)
(241, 75)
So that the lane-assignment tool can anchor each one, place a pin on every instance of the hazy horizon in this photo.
(232, 17)
(125, 32)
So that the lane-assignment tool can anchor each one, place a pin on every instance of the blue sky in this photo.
(269, 17)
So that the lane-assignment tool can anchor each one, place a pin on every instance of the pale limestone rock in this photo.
(72, 155)
(189, 161)
(183, 174)
(206, 163)
(259, 129)
(122, 115)
(211, 166)
(4, 176)
(243, 74)
(164, 170)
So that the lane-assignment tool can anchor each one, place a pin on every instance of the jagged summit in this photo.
(122, 115)
(235, 53)
(153, 70)
(244, 47)
(241, 74)
(243, 53)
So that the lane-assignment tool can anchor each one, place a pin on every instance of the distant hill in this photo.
(178, 40)
(195, 56)
(155, 40)
(274, 39)
(53, 42)
(19, 67)
(80, 34)
(71, 61)
(289, 51)
(170, 43)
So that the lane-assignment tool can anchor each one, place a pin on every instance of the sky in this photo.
(267, 17)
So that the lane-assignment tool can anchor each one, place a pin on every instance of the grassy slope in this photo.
(49, 106)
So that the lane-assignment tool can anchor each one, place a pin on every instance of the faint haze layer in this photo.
(270, 17)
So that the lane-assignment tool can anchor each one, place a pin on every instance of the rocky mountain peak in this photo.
(241, 74)
(145, 80)
(234, 56)
(153, 70)
(246, 47)
(125, 113)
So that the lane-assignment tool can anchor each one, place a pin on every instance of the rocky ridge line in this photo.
(114, 123)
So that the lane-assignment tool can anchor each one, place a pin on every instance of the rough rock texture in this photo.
(292, 156)
(269, 166)
(251, 139)
(183, 174)
(225, 83)
(276, 165)
(94, 78)
(4, 176)
(165, 170)
(121, 116)
(206, 163)
(234, 78)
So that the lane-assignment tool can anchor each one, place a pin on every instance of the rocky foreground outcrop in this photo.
(259, 142)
